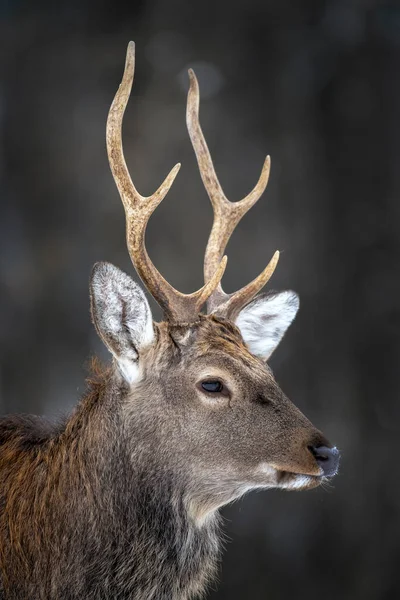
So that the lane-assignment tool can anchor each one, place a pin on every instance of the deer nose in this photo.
(327, 459)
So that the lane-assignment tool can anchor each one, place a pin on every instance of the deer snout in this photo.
(327, 459)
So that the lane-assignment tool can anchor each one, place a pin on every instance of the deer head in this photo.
(199, 394)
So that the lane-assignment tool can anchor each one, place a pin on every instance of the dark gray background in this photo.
(316, 85)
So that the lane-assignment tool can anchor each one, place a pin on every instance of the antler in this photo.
(178, 307)
(226, 214)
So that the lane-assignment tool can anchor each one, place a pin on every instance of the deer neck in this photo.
(142, 515)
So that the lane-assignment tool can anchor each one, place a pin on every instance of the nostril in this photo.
(327, 459)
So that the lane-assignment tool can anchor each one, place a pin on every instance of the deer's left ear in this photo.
(264, 321)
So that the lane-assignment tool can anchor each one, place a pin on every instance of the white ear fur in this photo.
(121, 315)
(264, 321)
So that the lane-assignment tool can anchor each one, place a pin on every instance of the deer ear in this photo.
(264, 321)
(121, 315)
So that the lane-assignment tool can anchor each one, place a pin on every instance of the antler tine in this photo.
(226, 214)
(178, 307)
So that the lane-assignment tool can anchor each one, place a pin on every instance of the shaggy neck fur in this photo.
(85, 513)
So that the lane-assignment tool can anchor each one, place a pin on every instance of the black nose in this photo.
(327, 459)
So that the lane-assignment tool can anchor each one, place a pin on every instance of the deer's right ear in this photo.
(121, 315)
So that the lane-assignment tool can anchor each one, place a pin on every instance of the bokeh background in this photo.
(314, 83)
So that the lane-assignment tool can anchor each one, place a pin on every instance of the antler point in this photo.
(130, 51)
(194, 84)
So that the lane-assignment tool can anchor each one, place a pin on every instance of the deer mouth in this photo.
(290, 480)
(298, 481)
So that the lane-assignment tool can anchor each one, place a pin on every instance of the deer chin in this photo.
(220, 490)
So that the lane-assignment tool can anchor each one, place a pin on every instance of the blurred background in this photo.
(313, 83)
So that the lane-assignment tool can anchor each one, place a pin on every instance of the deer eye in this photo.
(212, 386)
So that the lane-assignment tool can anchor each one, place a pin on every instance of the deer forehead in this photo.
(208, 341)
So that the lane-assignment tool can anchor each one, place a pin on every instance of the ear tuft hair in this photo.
(264, 321)
(121, 315)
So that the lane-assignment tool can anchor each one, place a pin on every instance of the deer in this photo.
(122, 498)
